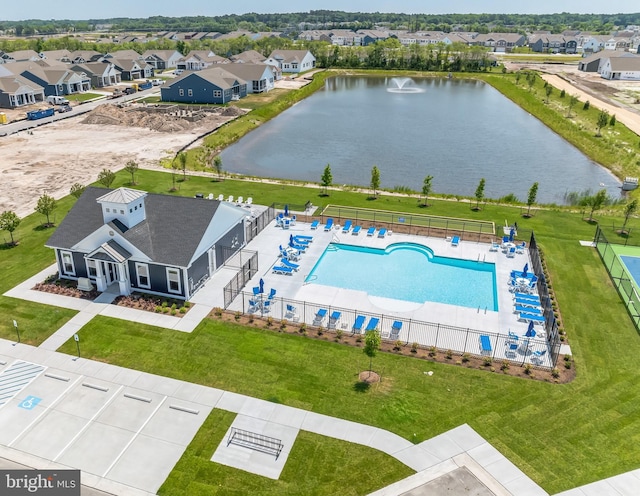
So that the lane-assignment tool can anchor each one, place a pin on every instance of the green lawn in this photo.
(83, 97)
(560, 435)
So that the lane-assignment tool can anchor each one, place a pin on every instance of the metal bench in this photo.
(255, 441)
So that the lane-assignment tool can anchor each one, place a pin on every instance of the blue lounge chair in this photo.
(334, 318)
(371, 231)
(347, 227)
(292, 265)
(395, 329)
(512, 337)
(373, 324)
(529, 317)
(309, 239)
(315, 224)
(455, 241)
(527, 303)
(272, 294)
(357, 325)
(299, 248)
(329, 225)
(526, 296)
(485, 345)
(281, 269)
(300, 241)
(526, 309)
(382, 233)
(356, 230)
(319, 317)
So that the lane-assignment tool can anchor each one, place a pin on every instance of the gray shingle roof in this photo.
(170, 234)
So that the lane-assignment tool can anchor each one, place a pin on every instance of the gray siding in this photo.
(158, 280)
(225, 242)
(78, 263)
(199, 270)
(201, 91)
(4, 100)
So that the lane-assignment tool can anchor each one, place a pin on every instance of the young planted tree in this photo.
(572, 102)
(596, 201)
(548, 90)
(372, 342)
(531, 79)
(426, 188)
(562, 93)
(587, 105)
(531, 199)
(45, 206)
(518, 77)
(603, 119)
(76, 190)
(132, 167)
(9, 222)
(629, 210)
(326, 179)
(375, 181)
(106, 178)
(479, 193)
(174, 169)
(182, 159)
(217, 165)
(612, 121)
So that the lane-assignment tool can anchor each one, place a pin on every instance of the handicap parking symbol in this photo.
(29, 402)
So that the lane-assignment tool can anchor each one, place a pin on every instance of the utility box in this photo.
(3, 118)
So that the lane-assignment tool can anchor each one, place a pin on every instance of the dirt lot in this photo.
(53, 157)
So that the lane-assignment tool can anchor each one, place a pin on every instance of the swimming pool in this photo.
(409, 272)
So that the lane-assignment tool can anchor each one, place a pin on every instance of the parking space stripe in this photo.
(135, 436)
(90, 421)
(16, 377)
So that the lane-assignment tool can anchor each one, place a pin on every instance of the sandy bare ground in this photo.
(53, 157)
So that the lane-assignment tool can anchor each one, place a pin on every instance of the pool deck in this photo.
(294, 287)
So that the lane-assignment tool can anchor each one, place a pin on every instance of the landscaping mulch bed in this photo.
(563, 373)
(156, 304)
(65, 288)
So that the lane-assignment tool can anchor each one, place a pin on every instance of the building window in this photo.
(181, 92)
(189, 92)
(67, 263)
(130, 210)
(217, 93)
(108, 210)
(173, 280)
(121, 212)
(142, 270)
(92, 269)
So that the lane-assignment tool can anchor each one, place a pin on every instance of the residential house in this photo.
(124, 55)
(316, 35)
(248, 57)
(101, 73)
(370, 36)
(292, 60)
(212, 85)
(127, 240)
(56, 80)
(553, 43)
(84, 56)
(592, 43)
(162, 59)
(345, 37)
(56, 55)
(22, 56)
(596, 61)
(259, 77)
(500, 42)
(621, 68)
(617, 43)
(132, 69)
(17, 91)
(196, 60)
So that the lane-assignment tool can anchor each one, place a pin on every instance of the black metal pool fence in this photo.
(622, 280)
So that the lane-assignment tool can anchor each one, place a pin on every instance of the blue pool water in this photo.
(409, 272)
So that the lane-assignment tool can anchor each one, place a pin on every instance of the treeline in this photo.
(329, 19)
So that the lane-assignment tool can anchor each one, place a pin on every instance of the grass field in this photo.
(560, 435)
(82, 97)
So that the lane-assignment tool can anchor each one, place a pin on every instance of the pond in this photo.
(456, 130)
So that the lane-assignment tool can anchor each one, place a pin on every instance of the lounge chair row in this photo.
(349, 227)
(240, 201)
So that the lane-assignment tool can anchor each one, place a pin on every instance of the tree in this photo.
(76, 190)
(596, 201)
(603, 119)
(586, 105)
(46, 205)
(572, 101)
(326, 179)
(480, 193)
(426, 188)
(132, 167)
(531, 79)
(612, 121)
(106, 177)
(174, 168)
(182, 158)
(629, 210)
(217, 165)
(371, 345)
(518, 77)
(375, 181)
(9, 221)
(531, 199)
(548, 90)
(562, 93)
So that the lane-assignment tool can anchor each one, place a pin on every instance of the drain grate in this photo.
(16, 377)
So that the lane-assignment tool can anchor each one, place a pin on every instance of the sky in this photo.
(83, 9)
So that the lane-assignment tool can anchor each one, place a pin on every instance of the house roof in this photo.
(249, 56)
(22, 55)
(125, 54)
(162, 54)
(127, 65)
(625, 63)
(122, 195)
(170, 234)
(289, 55)
(248, 72)
(85, 54)
(217, 76)
(56, 54)
(12, 84)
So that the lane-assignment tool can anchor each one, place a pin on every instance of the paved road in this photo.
(15, 127)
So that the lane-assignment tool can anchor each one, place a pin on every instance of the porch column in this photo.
(123, 282)
(101, 282)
